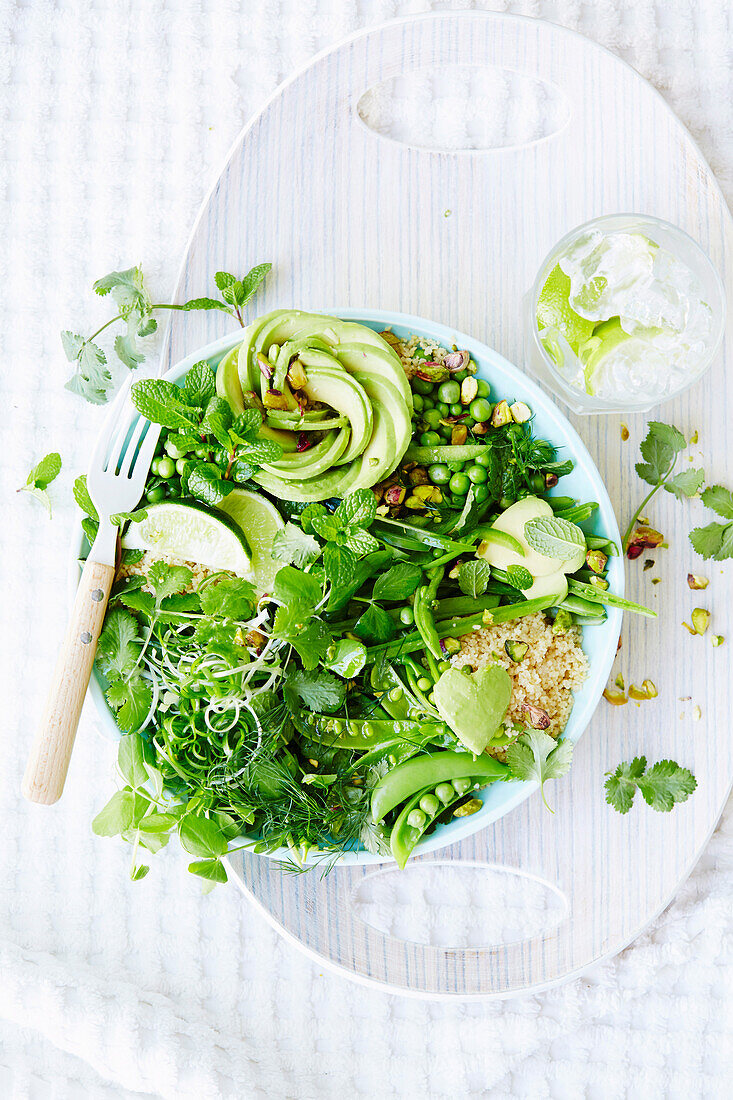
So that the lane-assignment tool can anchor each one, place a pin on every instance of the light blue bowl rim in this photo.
(584, 483)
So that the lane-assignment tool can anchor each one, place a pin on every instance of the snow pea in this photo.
(423, 611)
(366, 733)
(429, 770)
(422, 810)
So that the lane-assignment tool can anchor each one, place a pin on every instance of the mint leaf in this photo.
(40, 477)
(321, 692)
(720, 500)
(359, 541)
(397, 583)
(537, 757)
(473, 576)
(554, 537)
(162, 402)
(686, 483)
(292, 546)
(251, 282)
(218, 420)
(205, 303)
(310, 513)
(359, 507)
(205, 482)
(375, 625)
(82, 498)
(327, 525)
(224, 281)
(519, 577)
(200, 385)
(339, 563)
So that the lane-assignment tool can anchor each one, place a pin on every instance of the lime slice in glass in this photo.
(260, 521)
(189, 532)
(555, 312)
(594, 354)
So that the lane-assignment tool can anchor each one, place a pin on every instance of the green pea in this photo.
(449, 392)
(431, 418)
(155, 495)
(462, 786)
(445, 792)
(416, 819)
(181, 465)
(454, 467)
(469, 422)
(537, 482)
(443, 409)
(430, 439)
(484, 389)
(445, 430)
(421, 385)
(480, 408)
(202, 452)
(394, 696)
(476, 474)
(424, 684)
(407, 618)
(460, 375)
(427, 402)
(430, 804)
(166, 467)
(173, 448)
(154, 466)
(459, 484)
(483, 460)
(174, 490)
(439, 473)
(443, 666)
(417, 402)
(456, 409)
(481, 493)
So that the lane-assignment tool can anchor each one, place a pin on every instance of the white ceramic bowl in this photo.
(584, 483)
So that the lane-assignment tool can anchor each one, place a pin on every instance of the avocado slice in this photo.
(229, 386)
(383, 394)
(474, 705)
(300, 465)
(361, 357)
(335, 387)
(336, 482)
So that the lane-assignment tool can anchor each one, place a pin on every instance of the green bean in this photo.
(356, 733)
(424, 620)
(428, 771)
(578, 606)
(453, 606)
(598, 595)
(415, 537)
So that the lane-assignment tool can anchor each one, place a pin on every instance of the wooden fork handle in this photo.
(48, 763)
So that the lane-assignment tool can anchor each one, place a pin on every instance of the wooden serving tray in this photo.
(352, 218)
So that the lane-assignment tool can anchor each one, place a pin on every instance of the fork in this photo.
(116, 480)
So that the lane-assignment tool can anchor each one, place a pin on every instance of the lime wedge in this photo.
(555, 312)
(188, 532)
(260, 521)
(606, 338)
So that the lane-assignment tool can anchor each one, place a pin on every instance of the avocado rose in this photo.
(332, 393)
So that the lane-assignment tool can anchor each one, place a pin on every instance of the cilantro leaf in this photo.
(321, 692)
(360, 507)
(127, 352)
(92, 380)
(537, 757)
(228, 598)
(162, 402)
(375, 625)
(473, 576)
(130, 696)
(621, 786)
(662, 786)
(709, 540)
(118, 647)
(168, 580)
(72, 344)
(128, 290)
(659, 449)
(686, 483)
(720, 500)
(309, 636)
(293, 546)
(397, 583)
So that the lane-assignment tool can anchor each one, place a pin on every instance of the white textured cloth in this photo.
(116, 115)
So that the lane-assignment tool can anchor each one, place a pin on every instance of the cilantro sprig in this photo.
(537, 757)
(135, 308)
(662, 785)
(40, 477)
(715, 540)
(660, 450)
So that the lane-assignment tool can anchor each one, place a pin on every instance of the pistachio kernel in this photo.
(718, 639)
(615, 698)
(700, 620)
(696, 582)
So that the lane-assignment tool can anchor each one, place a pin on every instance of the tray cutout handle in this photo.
(456, 905)
(464, 108)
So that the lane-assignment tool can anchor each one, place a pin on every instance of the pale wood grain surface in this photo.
(50, 753)
(350, 218)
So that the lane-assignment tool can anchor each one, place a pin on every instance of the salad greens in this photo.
(40, 477)
(91, 378)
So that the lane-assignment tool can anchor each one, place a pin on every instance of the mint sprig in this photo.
(40, 477)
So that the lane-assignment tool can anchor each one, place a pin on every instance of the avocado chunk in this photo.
(473, 705)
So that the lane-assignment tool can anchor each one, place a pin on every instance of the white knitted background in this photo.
(115, 118)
